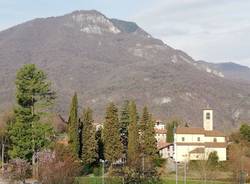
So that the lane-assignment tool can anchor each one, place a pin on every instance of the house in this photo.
(165, 149)
(198, 143)
(160, 132)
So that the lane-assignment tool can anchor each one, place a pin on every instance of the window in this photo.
(198, 139)
(215, 140)
(208, 115)
(183, 139)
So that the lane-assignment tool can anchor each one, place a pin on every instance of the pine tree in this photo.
(73, 126)
(133, 136)
(89, 144)
(33, 96)
(111, 135)
(124, 123)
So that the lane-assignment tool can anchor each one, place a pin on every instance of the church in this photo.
(198, 143)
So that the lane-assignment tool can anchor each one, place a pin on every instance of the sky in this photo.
(209, 30)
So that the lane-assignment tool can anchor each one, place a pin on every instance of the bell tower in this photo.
(208, 119)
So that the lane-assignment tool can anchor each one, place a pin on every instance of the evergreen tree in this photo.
(170, 130)
(73, 126)
(245, 132)
(148, 139)
(133, 136)
(111, 135)
(150, 152)
(89, 144)
(132, 170)
(143, 127)
(124, 123)
(213, 159)
(33, 96)
(100, 144)
(148, 145)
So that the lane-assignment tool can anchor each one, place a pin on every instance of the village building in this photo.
(198, 143)
(160, 132)
(165, 149)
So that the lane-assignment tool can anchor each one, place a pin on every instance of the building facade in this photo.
(198, 143)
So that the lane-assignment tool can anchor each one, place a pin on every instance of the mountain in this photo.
(228, 70)
(112, 60)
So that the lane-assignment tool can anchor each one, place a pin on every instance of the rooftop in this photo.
(200, 131)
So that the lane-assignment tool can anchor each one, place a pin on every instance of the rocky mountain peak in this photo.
(93, 22)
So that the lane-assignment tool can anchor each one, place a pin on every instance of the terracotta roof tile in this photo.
(212, 133)
(190, 144)
(162, 144)
(198, 150)
(206, 144)
(160, 131)
(216, 144)
(187, 130)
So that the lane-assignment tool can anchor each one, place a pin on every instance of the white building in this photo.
(198, 143)
(165, 149)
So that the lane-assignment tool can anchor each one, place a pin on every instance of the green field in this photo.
(98, 180)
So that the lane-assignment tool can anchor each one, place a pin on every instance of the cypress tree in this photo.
(124, 123)
(143, 127)
(89, 144)
(111, 135)
(148, 145)
(132, 170)
(73, 126)
(170, 130)
(133, 136)
(100, 144)
(150, 142)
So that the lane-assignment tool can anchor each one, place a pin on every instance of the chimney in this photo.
(208, 119)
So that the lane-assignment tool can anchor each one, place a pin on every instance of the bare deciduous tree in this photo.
(58, 166)
(18, 170)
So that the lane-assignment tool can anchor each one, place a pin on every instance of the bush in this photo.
(58, 166)
(97, 171)
(18, 170)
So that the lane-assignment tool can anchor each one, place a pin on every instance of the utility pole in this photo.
(143, 166)
(185, 172)
(176, 164)
(103, 170)
(2, 157)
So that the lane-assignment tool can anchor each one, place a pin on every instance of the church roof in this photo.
(206, 144)
(208, 133)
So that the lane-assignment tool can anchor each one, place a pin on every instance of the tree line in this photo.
(125, 142)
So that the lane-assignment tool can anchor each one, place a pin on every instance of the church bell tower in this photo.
(208, 119)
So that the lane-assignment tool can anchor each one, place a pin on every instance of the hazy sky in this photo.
(211, 30)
